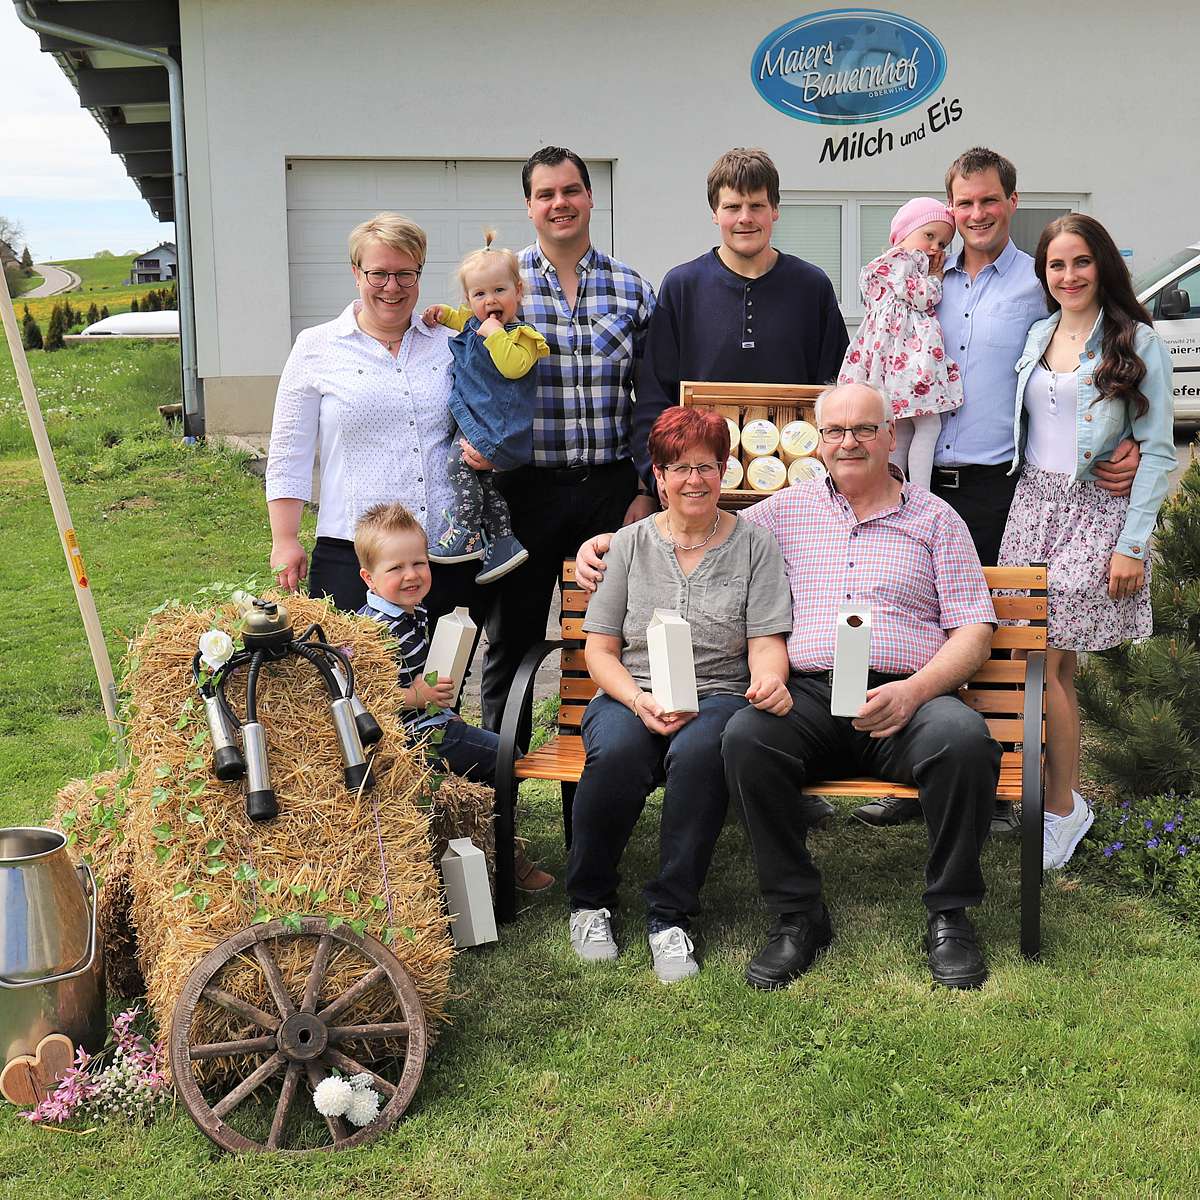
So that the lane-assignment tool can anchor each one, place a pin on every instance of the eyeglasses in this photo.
(404, 279)
(708, 470)
(832, 435)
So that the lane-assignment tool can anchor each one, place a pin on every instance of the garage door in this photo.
(452, 200)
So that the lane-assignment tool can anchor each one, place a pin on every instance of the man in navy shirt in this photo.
(742, 312)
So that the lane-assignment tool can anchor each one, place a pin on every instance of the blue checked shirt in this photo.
(584, 402)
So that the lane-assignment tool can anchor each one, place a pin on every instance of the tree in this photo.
(103, 254)
(31, 335)
(152, 302)
(10, 234)
(13, 274)
(133, 305)
(54, 334)
(27, 261)
(1145, 699)
(93, 314)
(172, 300)
(104, 312)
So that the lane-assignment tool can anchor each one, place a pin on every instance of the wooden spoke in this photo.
(350, 995)
(288, 1093)
(221, 1049)
(241, 1008)
(352, 1067)
(252, 1081)
(316, 975)
(366, 1033)
(337, 1126)
(275, 984)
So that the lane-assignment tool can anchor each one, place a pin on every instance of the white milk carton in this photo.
(468, 896)
(450, 649)
(672, 668)
(851, 660)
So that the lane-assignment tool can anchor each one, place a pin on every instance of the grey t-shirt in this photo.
(739, 590)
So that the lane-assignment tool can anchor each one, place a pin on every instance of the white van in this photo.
(1171, 291)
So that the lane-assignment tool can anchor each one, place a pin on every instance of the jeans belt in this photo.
(874, 678)
(953, 477)
(577, 473)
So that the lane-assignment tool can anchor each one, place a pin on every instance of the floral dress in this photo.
(898, 348)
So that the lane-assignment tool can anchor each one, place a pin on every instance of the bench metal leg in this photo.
(518, 703)
(1032, 807)
(568, 807)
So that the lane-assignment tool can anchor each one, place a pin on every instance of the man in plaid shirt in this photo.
(864, 536)
(593, 312)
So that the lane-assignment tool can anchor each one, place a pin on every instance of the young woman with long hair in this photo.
(1092, 373)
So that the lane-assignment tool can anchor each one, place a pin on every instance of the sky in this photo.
(58, 179)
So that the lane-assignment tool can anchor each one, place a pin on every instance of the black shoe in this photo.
(793, 942)
(952, 949)
(890, 810)
(1004, 820)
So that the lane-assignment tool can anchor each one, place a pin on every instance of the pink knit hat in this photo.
(916, 213)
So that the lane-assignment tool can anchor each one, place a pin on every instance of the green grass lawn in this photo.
(1074, 1077)
(99, 273)
(26, 283)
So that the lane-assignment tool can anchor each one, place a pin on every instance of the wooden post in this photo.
(62, 518)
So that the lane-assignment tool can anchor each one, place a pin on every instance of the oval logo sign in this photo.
(848, 66)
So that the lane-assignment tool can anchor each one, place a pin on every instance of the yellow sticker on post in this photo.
(75, 557)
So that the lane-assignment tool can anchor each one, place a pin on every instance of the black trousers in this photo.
(333, 571)
(945, 751)
(982, 498)
(553, 512)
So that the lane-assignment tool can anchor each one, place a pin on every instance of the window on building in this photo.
(841, 233)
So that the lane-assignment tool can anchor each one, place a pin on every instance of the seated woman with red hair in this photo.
(726, 578)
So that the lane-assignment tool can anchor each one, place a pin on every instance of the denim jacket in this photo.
(1101, 424)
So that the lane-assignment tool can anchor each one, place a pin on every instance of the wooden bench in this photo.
(1008, 691)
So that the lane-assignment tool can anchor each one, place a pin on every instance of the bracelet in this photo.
(634, 702)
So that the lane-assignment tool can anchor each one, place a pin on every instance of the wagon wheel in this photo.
(296, 1042)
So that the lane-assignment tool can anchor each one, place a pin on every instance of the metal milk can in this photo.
(51, 962)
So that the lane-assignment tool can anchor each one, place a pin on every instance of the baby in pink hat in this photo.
(899, 348)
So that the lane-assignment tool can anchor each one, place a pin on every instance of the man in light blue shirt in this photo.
(990, 297)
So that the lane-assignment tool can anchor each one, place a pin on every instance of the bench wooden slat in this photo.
(572, 629)
(984, 700)
(1019, 637)
(571, 714)
(1016, 577)
(572, 659)
(997, 670)
(1019, 608)
(574, 688)
(577, 601)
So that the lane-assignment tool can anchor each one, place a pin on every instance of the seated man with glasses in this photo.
(861, 536)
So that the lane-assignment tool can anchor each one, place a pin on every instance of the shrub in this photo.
(56, 329)
(1151, 845)
(93, 314)
(31, 335)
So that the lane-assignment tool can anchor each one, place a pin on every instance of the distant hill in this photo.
(99, 273)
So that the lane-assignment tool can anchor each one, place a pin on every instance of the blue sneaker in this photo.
(457, 545)
(503, 555)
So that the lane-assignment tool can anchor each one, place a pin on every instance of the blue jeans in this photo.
(467, 750)
(625, 762)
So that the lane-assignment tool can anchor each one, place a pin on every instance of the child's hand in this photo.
(937, 262)
(423, 694)
(490, 326)
(433, 315)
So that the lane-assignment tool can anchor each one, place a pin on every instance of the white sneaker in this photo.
(592, 935)
(1062, 834)
(671, 950)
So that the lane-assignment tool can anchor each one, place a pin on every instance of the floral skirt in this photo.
(1075, 529)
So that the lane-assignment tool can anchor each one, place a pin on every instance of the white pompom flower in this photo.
(333, 1096)
(363, 1079)
(216, 649)
(364, 1106)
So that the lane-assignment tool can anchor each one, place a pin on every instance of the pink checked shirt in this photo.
(914, 564)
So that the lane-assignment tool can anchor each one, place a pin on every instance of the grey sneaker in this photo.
(592, 935)
(671, 950)
(1062, 834)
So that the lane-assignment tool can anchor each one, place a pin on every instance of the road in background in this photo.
(57, 281)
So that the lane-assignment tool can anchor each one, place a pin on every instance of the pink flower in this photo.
(855, 355)
(920, 388)
(938, 353)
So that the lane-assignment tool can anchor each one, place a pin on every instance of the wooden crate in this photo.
(742, 402)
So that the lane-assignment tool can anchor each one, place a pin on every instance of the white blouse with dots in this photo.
(384, 424)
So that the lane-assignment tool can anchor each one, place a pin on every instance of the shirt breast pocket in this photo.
(1005, 326)
(612, 335)
(724, 600)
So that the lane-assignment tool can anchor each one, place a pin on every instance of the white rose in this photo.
(216, 649)
(333, 1096)
(364, 1106)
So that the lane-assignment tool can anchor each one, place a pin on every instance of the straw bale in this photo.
(322, 851)
(460, 808)
(91, 812)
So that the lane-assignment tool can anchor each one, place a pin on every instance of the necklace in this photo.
(699, 545)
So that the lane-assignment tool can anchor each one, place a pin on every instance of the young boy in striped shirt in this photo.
(394, 563)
